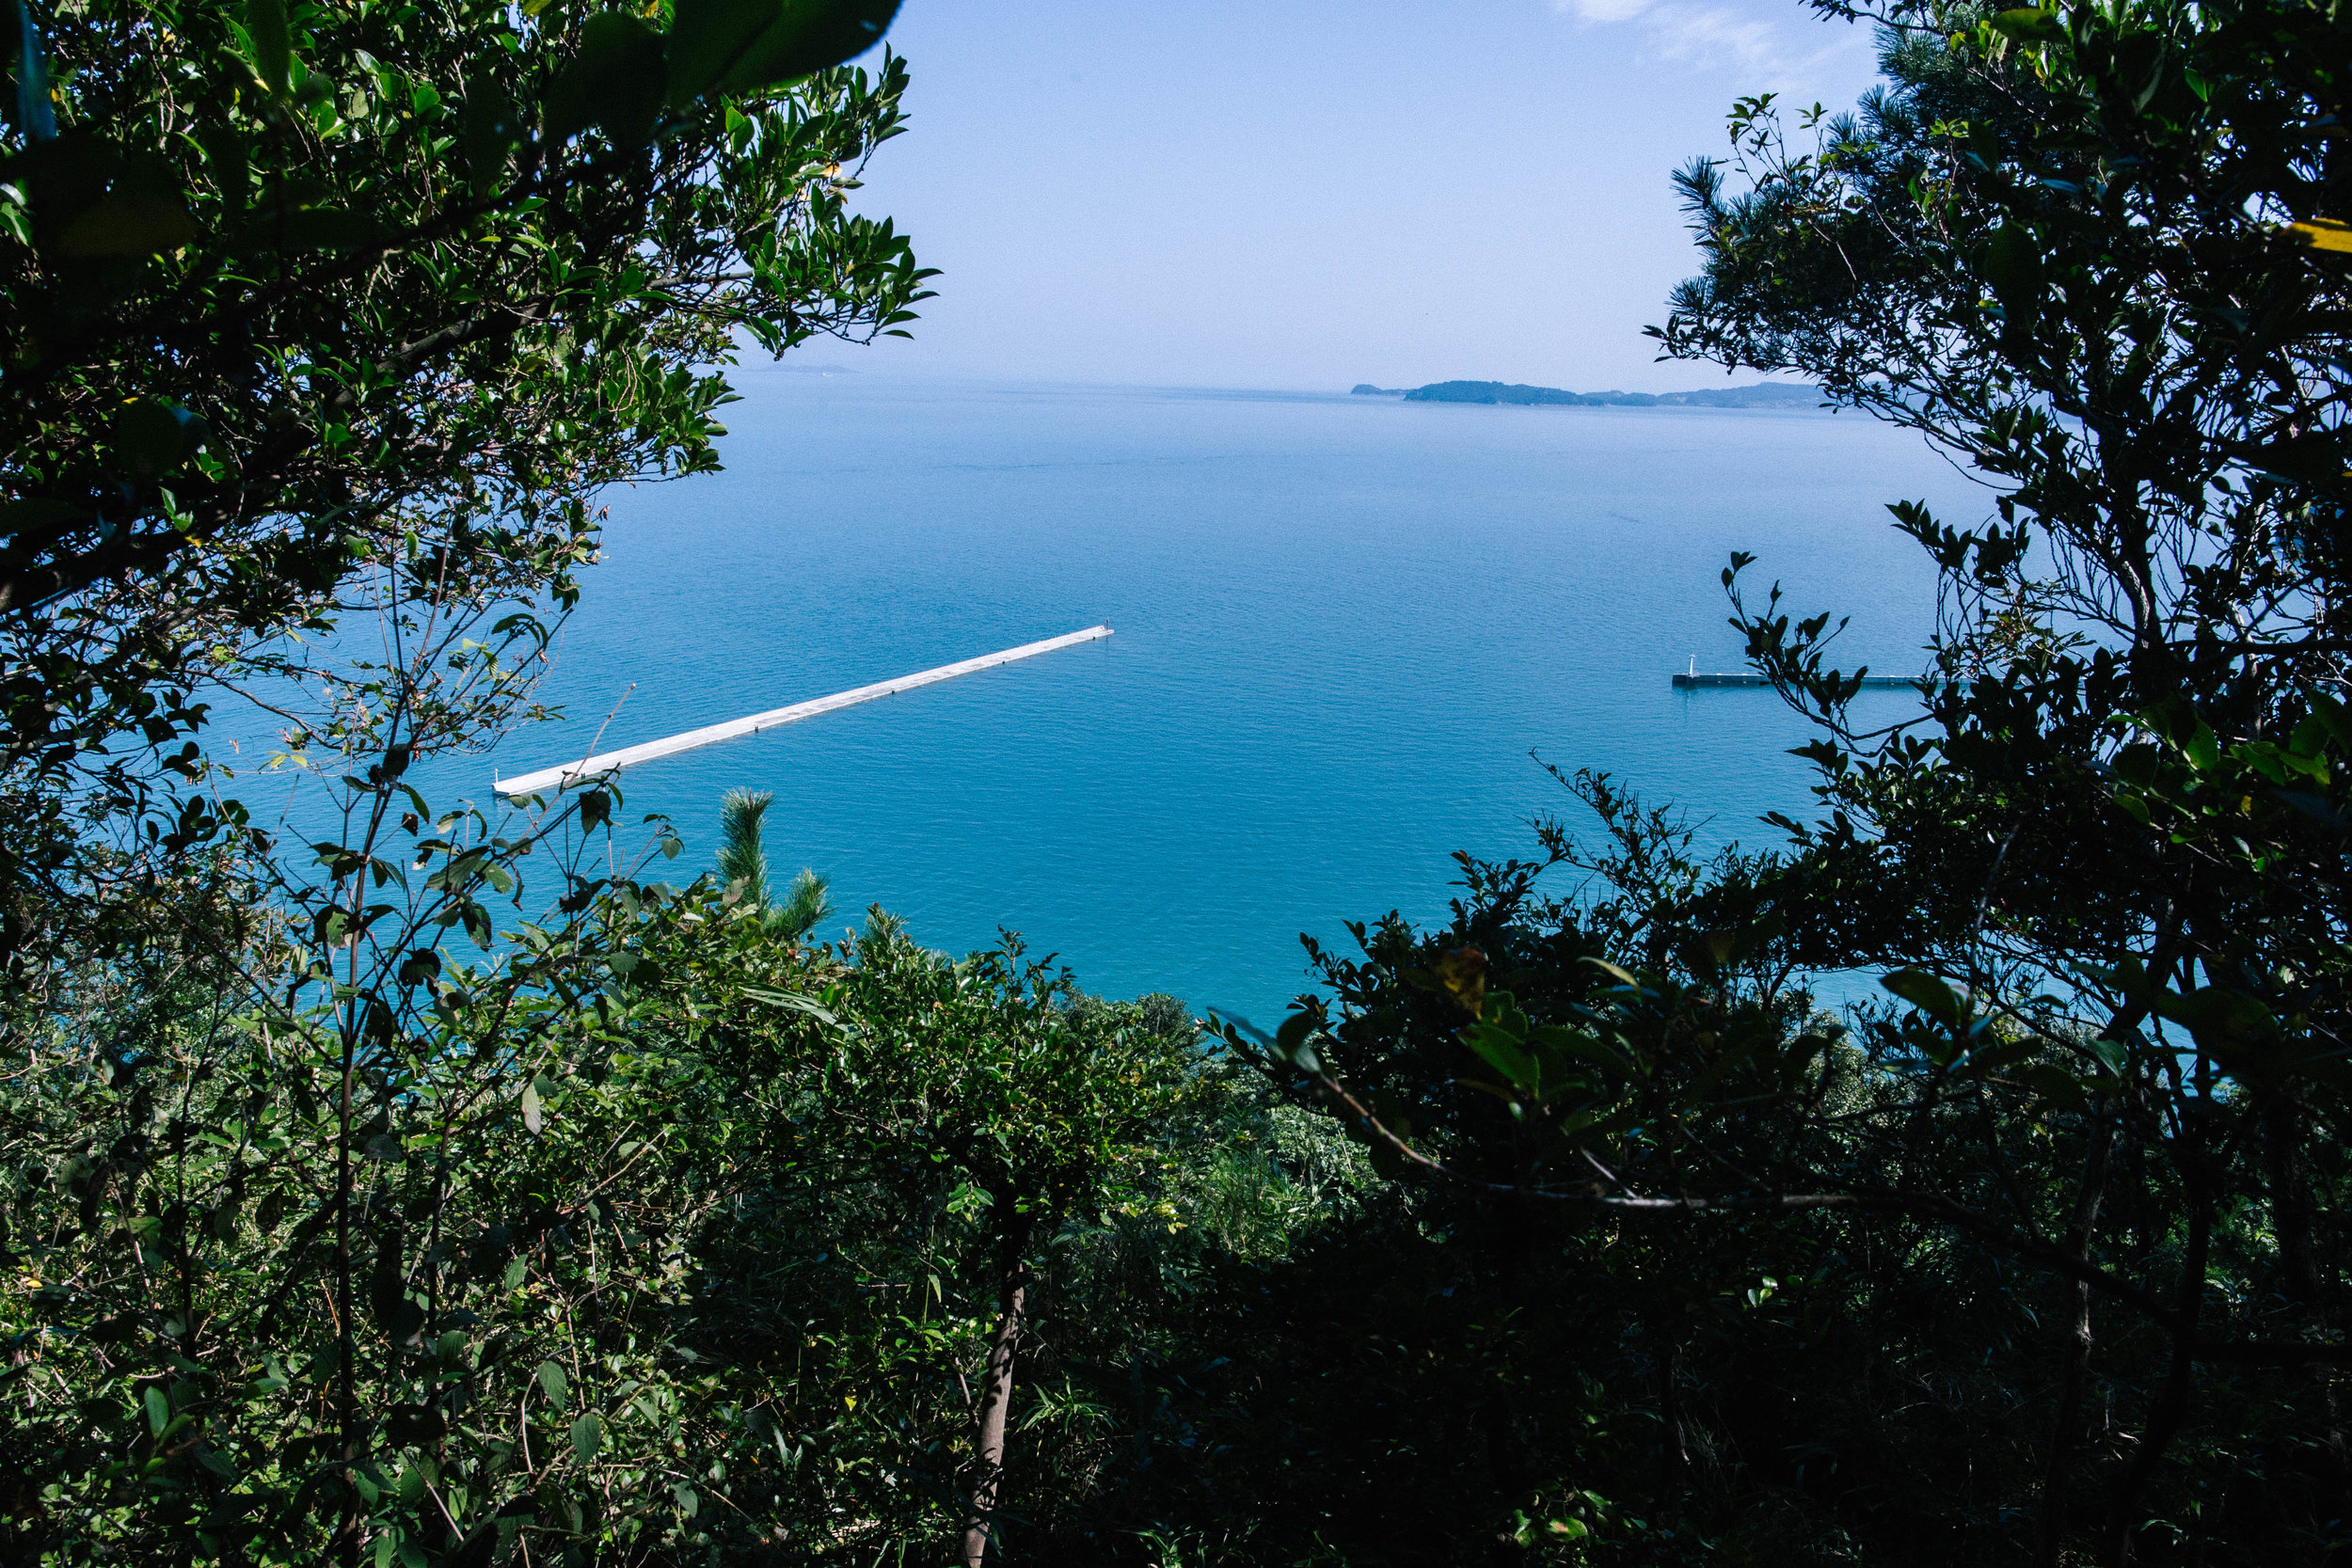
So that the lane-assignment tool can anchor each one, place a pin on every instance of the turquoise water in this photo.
(1342, 624)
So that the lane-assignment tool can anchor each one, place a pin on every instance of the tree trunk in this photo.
(349, 1529)
(2077, 1367)
(996, 1385)
(2172, 1407)
(1674, 1452)
(2291, 1217)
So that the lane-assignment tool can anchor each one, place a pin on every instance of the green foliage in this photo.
(666, 1240)
(2083, 250)
(315, 312)
(216, 1351)
(743, 859)
(330, 1232)
(1000, 1075)
(371, 1198)
(807, 904)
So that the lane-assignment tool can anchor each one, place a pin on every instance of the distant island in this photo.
(1763, 394)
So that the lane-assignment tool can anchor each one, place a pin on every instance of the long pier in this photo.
(710, 735)
(1698, 677)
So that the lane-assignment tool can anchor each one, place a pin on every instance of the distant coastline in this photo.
(1762, 394)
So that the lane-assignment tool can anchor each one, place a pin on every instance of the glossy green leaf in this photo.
(154, 437)
(1624, 978)
(1495, 1047)
(128, 223)
(2202, 748)
(2110, 1053)
(792, 1000)
(1927, 994)
(2011, 265)
(741, 45)
(1581, 1045)
(388, 1282)
(2030, 24)
(2137, 764)
(1289, 1041)
(810, 36)
(489, 127)
(2332, 717)
(36, 512)
(616, 81)
(273, 41)
(2220, 1020)
(308, 229)
(413, 1426)
(2319, 808)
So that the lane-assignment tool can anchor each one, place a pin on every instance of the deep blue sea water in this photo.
(1343, 626)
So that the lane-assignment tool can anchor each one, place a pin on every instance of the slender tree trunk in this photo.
(1493, 1414)
(2062, 1426)
(2078, 1369)
(996, 1384)
(1673, 1447)
(2291, 1213)
(346, 1400)
(2171, 1408)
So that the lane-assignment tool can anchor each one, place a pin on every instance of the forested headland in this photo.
(469, 1189)
(1762, 394)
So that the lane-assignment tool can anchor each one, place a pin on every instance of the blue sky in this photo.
(1309, 195)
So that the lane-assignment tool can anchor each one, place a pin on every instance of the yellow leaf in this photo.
(2323, 233)
(1463, 971)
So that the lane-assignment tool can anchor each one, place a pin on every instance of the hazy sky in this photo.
(1313, 194)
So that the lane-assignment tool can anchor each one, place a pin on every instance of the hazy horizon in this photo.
(1304, 200)
(812, 360)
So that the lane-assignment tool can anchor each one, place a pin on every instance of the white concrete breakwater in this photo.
(548, 779)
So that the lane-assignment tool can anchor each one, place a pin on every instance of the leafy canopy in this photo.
(308, 310)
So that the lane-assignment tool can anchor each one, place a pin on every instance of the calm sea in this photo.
(1343, 624)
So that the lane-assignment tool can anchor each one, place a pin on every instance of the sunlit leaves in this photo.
(434, 431)
(2030, 25)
